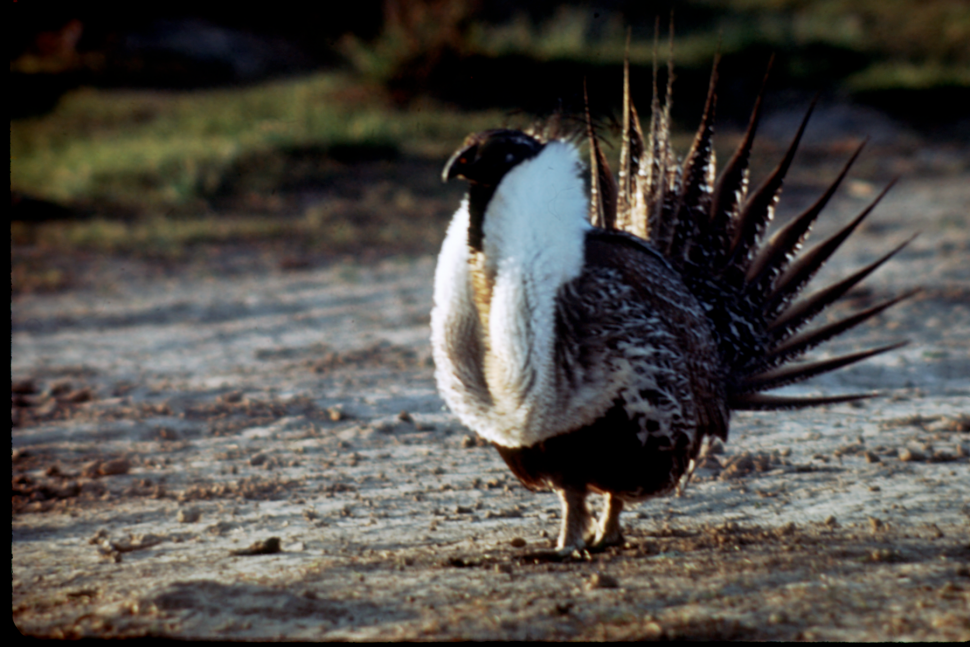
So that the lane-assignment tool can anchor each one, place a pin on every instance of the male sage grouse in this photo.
(597, 356)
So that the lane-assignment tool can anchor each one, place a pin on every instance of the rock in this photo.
(908, 455)
(263, 547)
(188, 515)
(602, 581)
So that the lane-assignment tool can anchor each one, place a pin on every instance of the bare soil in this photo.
(262, 455)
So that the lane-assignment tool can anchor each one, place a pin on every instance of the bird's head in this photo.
(527, 187)
(484, 158)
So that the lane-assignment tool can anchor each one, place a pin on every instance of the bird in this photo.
(597, 330)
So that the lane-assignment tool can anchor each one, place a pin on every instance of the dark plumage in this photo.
(598, 357)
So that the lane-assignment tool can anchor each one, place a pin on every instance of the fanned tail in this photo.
(602, 187)
(731, 187)
(661, 204)
(765, 402)
(713, 232)
(693, 205)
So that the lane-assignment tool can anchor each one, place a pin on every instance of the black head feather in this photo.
(485, 157)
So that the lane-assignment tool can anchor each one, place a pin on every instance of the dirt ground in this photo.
(263, 455)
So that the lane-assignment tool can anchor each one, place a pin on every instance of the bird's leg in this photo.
(610, 533)
(578, 526)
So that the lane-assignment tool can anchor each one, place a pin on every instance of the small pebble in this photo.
(78, 396)
(518, 542)
(788, 529)
(907, 455)
(602, 581)
(881, 555)
(263, 547)
(188, 515)
(23, 387)
(60, 387)
(106, 468)
(949, 590)
(116, 466)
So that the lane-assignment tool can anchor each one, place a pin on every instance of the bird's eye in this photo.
(509, 157)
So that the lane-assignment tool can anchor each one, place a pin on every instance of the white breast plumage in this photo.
(502, 382)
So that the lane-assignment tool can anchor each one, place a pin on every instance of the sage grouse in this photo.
(596, 340)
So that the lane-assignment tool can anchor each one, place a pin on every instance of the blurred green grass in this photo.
(154, 174)
(901, 43)
(178, 164)
(155, 149)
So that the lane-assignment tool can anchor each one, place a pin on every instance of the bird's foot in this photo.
(604, 541)
(578, 527)
(609, 532)
(568, 545)
(558, 555)
(589, 545)
(573, 553)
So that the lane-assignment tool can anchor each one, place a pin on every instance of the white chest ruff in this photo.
(503, 382)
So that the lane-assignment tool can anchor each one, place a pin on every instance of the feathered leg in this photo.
(610, 533)
(578, 526)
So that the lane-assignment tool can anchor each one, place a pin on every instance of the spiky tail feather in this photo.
(712, 232)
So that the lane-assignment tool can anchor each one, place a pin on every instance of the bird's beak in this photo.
(457, 163)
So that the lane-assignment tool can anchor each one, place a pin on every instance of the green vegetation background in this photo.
(153, 171)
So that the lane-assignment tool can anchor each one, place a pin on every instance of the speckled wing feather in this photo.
(629, 326)
(630, 311)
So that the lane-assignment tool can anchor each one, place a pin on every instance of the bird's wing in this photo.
(630, 326)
